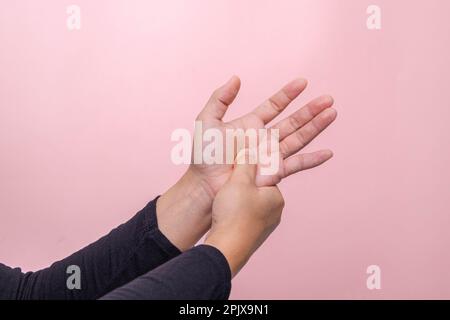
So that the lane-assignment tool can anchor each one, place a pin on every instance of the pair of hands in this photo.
(240, 206)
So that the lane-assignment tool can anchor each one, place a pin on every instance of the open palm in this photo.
(295, 131)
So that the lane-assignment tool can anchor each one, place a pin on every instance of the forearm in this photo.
(127, 252)
(201, 273)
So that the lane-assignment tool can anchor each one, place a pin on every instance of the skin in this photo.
(240, 226)
(184, 211)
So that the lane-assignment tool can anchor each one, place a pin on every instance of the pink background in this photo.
(86, 118)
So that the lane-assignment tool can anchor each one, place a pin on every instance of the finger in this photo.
(245, 166)
(300, 138)
(301, 117)
(221, 98)
(305, 161)
(273, 106)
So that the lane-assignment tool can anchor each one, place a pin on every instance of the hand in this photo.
(184, 211)
(243, 215)
(296, 131)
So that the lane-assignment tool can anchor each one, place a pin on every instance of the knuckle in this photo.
(283, 148)
(281, 202)
(216, 94)
(294, 122)
(275, 105)
(301, 137)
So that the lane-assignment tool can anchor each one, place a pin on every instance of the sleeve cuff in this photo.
(152, 229)
(221, 266)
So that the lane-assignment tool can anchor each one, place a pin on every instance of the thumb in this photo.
(222, 97)
(245, 167)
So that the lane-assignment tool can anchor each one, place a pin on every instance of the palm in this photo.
(296, 131)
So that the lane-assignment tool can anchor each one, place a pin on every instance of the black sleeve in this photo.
(201, 273)
(127, 252)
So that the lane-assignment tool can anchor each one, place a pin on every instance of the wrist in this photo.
(189, 189)
(184, 211)
(233, 246)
